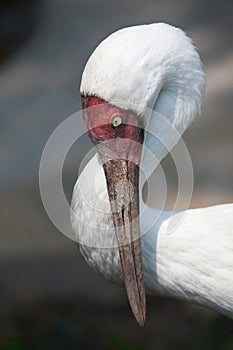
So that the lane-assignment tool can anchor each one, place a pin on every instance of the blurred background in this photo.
(49, 298)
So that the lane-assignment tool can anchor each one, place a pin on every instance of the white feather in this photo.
(139, 68)
(194, 262)
(132, 66)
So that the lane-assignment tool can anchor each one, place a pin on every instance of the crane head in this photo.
(119, 138)
(152, 67)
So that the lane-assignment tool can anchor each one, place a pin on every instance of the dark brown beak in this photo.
(122, 178)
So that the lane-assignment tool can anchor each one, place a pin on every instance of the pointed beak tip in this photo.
(141, 321)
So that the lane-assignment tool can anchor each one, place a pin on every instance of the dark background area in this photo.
(49, 298)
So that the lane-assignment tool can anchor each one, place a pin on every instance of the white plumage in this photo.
(154, 66)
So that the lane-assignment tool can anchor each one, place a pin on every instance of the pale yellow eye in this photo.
(116, 121)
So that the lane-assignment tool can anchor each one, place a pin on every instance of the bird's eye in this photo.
(116, 121)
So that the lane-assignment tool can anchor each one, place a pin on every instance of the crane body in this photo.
(137, 69)
(193, 263)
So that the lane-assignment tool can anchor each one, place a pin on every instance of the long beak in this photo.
(122, 178)
(120, 151)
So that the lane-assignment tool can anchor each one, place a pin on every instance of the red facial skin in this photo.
(98, 116)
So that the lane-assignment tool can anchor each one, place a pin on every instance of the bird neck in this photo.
(173, 112)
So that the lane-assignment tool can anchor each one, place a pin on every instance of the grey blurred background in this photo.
(48, 294)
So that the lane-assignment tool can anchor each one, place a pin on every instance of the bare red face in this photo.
(119, 141)
(106, 122)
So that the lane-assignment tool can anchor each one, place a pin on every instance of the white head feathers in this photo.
(132, 66)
